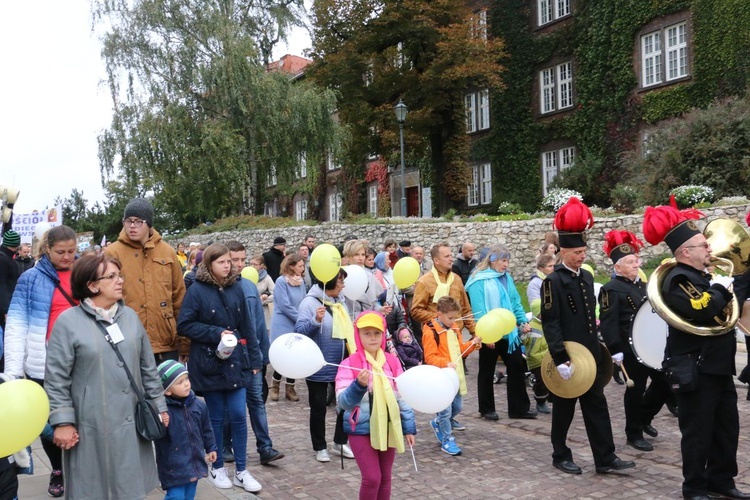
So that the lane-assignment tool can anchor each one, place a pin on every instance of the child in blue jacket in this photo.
(181, 455)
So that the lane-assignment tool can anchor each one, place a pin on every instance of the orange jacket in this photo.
(437, 354)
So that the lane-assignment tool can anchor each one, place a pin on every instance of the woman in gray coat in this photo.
(91, 400)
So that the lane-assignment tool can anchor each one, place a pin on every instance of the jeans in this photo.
(232, 405)
(375, 466)
(317, 395)
(256, 408)
(184, 492)
(444, 417)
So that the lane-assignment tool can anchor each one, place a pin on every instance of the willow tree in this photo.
(428, 53)
(198, 119)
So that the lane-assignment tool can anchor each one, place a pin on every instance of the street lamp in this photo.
(401, 111)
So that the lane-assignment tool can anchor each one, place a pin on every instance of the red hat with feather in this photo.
(621, 243)
(668, 224)
(571, 222)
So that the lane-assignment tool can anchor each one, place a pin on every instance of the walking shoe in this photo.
(269, 456)
(615, 465)
(228, 455)
(456, 426)
(436, 430)
(543, 408)
(291, 393)
(650, 430)
(322, 456)
(56, 487)
(449, 446)
(567, 466)
(273, 391)
(218, 477)
(246, 480)
(641, 444)
(490, 416)
(342, 449)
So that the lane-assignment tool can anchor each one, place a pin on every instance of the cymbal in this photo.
(607, 367)
(584, 372)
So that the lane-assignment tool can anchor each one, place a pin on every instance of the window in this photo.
(672, 42)
(479, 25)
(300, 209)
(331, 162)
(551, 10)
(554, 162)
(477, 110)
(335, 203)
(556, 87)
(301, 170)
(271, 181)
(369, 75)
(372, 200)
(479, 190)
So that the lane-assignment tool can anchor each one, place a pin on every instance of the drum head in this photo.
(648, 336)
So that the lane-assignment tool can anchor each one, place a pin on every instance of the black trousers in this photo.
(518, 398)
(641, 408)
(9, 483)
(54, 452)
(317, 392)
(596, 419)
(710, 428)
(164, 356)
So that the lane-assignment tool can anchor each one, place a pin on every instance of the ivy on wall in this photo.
(600, 37)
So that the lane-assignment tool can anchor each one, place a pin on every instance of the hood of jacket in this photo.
(204, 276)
(153, 238)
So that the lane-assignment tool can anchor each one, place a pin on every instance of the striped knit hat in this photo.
(169, 372)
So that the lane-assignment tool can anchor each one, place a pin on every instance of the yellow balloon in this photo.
(250, 273)
(495, 325)
(24, 410)
(325, 262)
(642, 275)
(406, 272)
(589, 269)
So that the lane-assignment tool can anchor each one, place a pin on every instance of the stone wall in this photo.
(523, 238)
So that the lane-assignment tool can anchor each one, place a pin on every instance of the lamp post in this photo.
(401, 111)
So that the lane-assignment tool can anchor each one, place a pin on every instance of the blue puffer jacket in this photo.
(257, 316)
(333, 349)
(206, 312)
(181, 454)
(26, 325)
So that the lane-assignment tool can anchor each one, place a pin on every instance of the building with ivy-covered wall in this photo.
(589, 80)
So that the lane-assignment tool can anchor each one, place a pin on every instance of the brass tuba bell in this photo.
(729, 241)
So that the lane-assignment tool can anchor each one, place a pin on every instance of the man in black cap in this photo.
(569, 314)
(274, 256)
(707, 412)
(154, 287)
(404, 249)
(9, 271)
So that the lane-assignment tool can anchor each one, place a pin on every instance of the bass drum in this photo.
(648, 336)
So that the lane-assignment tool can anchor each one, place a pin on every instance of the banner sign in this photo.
(24, 224)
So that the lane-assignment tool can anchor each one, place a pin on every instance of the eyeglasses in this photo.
(702, 245)
(113, 276)
(132, 222)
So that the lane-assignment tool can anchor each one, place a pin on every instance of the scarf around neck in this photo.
(292, 280)
(385, 416)
(454, 350)
(442, 289)
(497, 294)
(342, 325)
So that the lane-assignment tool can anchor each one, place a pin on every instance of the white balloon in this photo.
(295, 356)
(597, 289)
(355, 281)
(426, 388)
(452, 375)
(41, 228)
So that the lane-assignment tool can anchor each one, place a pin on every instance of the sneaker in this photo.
(449, 446)
(342, 450)
(56, 488)
(322, 456)
(245, 480)
(456, 426)
(436, 430)
(218, 477)
(269, 456)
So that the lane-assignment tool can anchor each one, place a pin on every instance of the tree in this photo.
(426, 52)
(199, 122)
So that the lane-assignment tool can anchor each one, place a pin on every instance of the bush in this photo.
(556, 198)
(508, 208)
(625, 198)
(688, 196)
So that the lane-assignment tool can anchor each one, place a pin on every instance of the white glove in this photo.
(565, 371)
(617, 358)
(725, 281)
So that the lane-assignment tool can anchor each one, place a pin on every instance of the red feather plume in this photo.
(614, 239)
(747, 219)
(658, 221)
(689, 213)
(574, 217)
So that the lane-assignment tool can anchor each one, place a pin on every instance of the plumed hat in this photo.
(571, 222)
(621, 243)
(666, 223)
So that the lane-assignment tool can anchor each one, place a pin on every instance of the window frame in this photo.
(300, 210)
(556, 88)
(554, 161)
(335, 204)
(372, 200)
(550, 11)
(477, 110)
(664, 54)
(479, 189)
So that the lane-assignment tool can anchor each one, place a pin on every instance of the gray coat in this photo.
(87, 387)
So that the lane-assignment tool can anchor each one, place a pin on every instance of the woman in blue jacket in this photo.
(214, 306)
(490, 286)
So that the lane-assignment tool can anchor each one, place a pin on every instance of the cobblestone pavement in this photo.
(501, 460)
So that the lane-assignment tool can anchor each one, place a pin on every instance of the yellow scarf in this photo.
(442, 289)
(454, 349)
(342, 325)
(385, 416)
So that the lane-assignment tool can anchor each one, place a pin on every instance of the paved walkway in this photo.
(501, 460)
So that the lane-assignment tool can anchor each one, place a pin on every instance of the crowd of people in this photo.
(189, 333)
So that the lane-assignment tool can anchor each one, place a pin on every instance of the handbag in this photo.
(681, 372)
(148, 423)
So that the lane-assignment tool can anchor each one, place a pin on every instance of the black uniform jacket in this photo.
(688, 292)
(619, 300)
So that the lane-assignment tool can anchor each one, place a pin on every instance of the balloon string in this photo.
(358, 369)
(413, 458)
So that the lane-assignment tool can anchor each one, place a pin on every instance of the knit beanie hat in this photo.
(11, 239)
(169, 372)
(141, 208)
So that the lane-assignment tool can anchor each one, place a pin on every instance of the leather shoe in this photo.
(641, 444)
(650, 430)
(615, 465)
(490, 416)
(732, 493)
(617, 378)
(696, 497)
(567, 466)
(528, 415)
